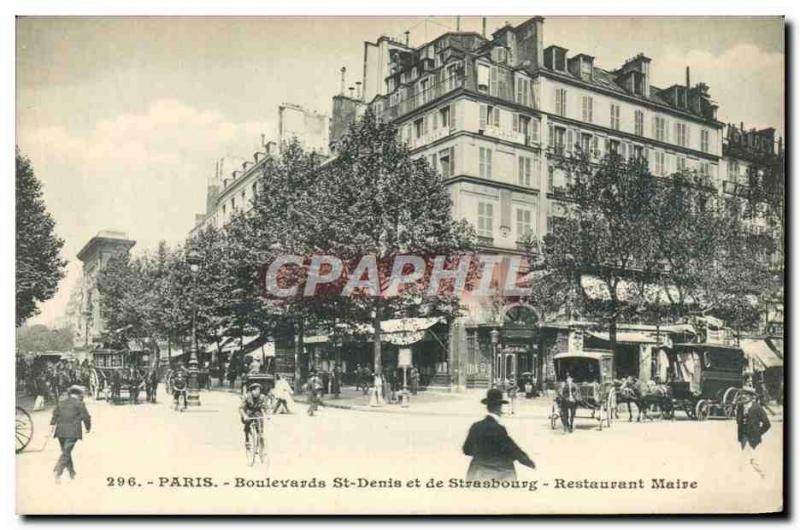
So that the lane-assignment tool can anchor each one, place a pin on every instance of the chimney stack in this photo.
(688, 84)
(458, 23)
(407, 33)
(341, 83)
(358, 90)
(263, 139)
(484, 27)
(351, 89)
(216, 171)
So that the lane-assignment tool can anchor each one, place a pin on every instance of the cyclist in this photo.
(255, 406)
(180, 384)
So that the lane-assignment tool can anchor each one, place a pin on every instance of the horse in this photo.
(644, 396)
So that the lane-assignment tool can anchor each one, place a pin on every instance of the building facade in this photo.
(493, 114)
(89, 323)
(235, 181)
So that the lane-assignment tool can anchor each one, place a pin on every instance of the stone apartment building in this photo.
(492, 113)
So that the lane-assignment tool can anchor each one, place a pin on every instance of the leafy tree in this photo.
(375, 199)
(39, 338)
(601, 245)
(38, 250)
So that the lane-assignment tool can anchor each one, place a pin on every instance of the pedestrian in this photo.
(377, 391)
(66, 426)
(567, 400)
(336, 382)
(414, 380)
(283, 394)
(751, 425)
(314, 387)
(492, 450)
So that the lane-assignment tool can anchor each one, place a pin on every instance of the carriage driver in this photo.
(254, 406)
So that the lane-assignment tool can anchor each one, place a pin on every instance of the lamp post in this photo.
(495, 336)
(193, 397)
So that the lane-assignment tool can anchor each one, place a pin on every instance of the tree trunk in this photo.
(612, 340)
(376, 338)
(298, 353)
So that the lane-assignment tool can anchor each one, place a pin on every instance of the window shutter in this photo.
(516, 122)
(483, 117)
(551, 138)
(435, 120)
(452, 161)
(452, 116)
(569, 141)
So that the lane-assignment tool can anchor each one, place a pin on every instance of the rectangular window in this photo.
(483, 77)
(561, 101)
(586, 109)
(524, 91)
(489, 116)
(680, 163)
(638, 123)
(523, 223)
(586, 143)
(444, 116)
(659, 129)
(485, 165)
(419, 126)
(660, 165)
(446, 162)
(524, 171)
(485, 219)
(557, 139)
(615, 117)
(681, 134)
(704, 140)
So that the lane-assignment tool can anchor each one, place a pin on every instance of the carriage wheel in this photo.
(729, 402)
(553, 416)
(24, 429)
(690, 411)
(702, 410)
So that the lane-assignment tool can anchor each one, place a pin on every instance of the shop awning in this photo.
(631, 337)
(400, 331)
(761, 353)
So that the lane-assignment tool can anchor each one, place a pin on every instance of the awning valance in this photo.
(761, 353)
(632, 337)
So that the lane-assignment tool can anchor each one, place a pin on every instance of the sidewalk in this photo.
(434, 403)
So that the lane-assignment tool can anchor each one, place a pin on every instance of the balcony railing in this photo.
(435, 91)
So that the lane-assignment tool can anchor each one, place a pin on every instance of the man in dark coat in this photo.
(66, 421)
(751, 424)
(492, 450)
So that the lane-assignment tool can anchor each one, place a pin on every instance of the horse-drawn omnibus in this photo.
(592, 386)
(705, 379)
(117, 374)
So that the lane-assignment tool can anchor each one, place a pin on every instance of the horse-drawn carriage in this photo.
(585, 381)
(118, 376)
(705, 380)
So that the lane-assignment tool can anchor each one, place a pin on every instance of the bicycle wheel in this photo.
(252, 448)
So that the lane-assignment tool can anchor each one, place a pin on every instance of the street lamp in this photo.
(495, 337)
(194, 259)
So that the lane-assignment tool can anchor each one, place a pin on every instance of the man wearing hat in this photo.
(492, 450)
(253, 409)
(66, 424)
(751, 424)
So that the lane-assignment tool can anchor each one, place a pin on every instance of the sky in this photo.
(124, 118)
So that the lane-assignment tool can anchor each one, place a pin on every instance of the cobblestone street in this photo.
(167, 455)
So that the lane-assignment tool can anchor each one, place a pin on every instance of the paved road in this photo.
(154, 444)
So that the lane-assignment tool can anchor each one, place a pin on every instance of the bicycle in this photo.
(182, 395)
(257, 445)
